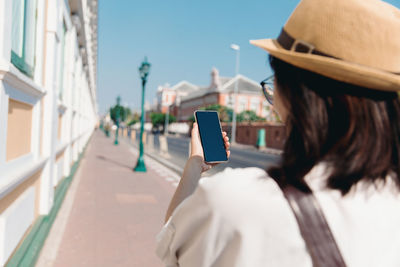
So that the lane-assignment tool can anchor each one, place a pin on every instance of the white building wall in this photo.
(28, 181)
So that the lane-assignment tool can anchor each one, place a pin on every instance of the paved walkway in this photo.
(111, 215)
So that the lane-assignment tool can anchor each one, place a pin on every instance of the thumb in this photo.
(195, 130)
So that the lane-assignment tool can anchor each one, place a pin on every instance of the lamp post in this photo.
(235, 92)
(144, 70)
(117, 119)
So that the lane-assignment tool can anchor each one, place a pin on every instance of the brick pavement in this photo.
(115, 213)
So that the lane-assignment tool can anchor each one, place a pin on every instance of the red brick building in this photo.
(184, 98)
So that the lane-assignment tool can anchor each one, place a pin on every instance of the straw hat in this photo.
(353, 41)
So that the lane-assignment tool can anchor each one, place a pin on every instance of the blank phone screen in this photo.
(211, 136)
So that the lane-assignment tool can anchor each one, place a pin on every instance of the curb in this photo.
(166, 163)
(28, 253)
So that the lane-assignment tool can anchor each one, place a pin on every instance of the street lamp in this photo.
(235, 92)
(117, 119)
(144, 70)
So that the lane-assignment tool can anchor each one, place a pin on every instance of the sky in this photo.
(183, 40)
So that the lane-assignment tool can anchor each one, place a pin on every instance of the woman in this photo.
(337, 73)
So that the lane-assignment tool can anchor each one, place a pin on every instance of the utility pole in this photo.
(233, 134)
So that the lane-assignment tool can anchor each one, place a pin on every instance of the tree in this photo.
(124, 113)
(159, 119)
(117, 112)
(191, 119)
(133, 118)
(247, 116)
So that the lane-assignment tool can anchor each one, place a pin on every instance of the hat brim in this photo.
(333, 68)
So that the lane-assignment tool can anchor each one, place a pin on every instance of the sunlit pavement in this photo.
(111, 215)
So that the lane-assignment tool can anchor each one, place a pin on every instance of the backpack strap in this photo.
(313, 227)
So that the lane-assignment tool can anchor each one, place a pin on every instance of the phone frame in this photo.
(219, 123)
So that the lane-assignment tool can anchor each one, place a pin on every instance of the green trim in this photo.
(28, 253)
(21, 64)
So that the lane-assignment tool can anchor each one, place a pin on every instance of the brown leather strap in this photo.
(314, 228)
(289, 43)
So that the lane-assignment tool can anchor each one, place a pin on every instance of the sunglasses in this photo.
(267, 86)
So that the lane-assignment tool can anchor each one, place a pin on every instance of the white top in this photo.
(239, 217)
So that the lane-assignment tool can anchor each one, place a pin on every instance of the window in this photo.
(254, 104)
(23, 35)
(266, 109)
(242, 104)
(229, 101)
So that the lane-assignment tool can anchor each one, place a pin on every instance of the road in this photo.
(240, 158)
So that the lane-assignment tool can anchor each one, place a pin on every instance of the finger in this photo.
(224, 134)
(226, 141)
(226, 138)
(227, 145)
(205, 167)
(228, 153)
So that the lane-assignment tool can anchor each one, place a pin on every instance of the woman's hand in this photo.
(197, 149)
(193, 169)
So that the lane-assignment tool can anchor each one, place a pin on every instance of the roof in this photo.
(200, 92)
(244, 85)
(184, 86)
(224, 80)
(227, 85)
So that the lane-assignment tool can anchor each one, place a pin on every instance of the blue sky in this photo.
(182, 40)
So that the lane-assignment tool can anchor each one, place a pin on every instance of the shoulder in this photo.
(232, 181)
(244, 190)
(242, 181)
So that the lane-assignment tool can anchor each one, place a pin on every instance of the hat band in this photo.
(289, 43)
(300, 46)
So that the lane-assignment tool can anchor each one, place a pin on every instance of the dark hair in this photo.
(355, 130)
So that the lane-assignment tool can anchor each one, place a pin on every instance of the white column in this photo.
(50, 110)
(67, 120)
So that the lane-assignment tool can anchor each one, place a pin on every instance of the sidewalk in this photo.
(111, 215)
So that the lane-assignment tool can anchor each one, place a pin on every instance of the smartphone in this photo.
(211, 136)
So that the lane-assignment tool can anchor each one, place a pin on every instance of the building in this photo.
(48, 106)
(184, 98)
(168, 96)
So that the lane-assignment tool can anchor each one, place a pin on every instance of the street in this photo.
(240, 158)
